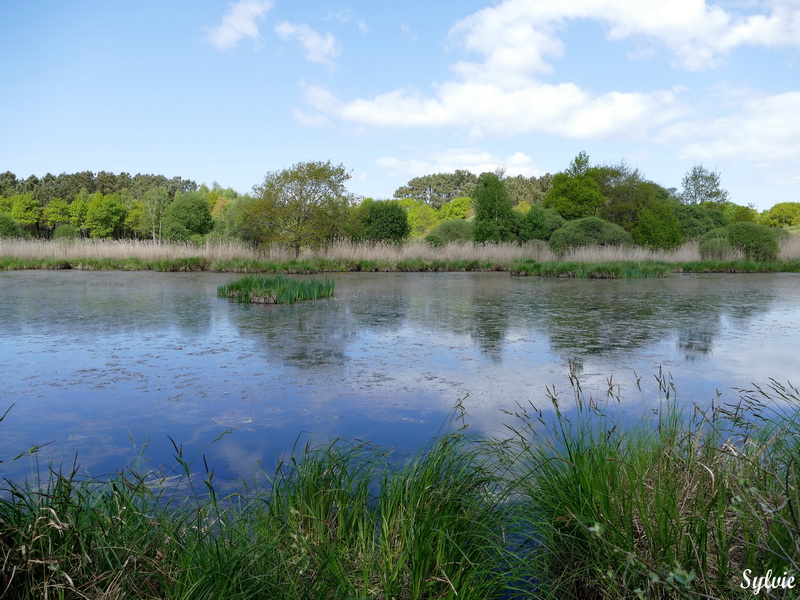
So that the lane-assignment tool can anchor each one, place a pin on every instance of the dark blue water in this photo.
(100, 364)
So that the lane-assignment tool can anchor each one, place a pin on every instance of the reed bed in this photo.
(584, 504)
(345, 255)
(278, 289)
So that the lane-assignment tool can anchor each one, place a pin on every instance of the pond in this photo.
(102, 364)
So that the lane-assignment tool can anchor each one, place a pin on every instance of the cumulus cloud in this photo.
(240, 22)
(765, 133)
(323, 49)
(503, 93)
(468, 159)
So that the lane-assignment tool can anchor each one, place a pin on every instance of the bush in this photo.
(454, 230)
(589, 231)
(758, 242)
(65, 232)
(540, 223)
(385, 222)
(9, 228)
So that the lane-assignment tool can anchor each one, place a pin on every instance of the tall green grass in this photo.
(579, 502)
(278, 289)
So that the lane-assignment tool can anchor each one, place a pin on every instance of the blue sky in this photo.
(226, 92)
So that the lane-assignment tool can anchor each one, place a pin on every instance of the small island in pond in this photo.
(278, 289)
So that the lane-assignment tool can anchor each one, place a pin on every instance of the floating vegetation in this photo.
(278, 289)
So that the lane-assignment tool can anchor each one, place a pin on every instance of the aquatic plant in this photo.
(277, 289)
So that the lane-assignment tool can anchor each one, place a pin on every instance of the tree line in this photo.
(308, 205)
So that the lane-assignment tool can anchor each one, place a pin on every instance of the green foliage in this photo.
(735, 213)
(453, 230)
(701, 185)
(589, 231)
(384, 222)
(758, 242)
(540, 223)
(306, 205)
(695, 219)
(66, 232)
(495, 221)
(26, 211)
(105, 216)
(457, 208)
(783, 214)
(574, 196)
(187, 216)
(658, 228)
(9, 228)
(56, 213)
(278, 289)
(439, 188)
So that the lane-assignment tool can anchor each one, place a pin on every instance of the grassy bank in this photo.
(585, 505)
(527, 259)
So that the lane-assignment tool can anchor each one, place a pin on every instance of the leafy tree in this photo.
(540, 223)
(783, 214)
(438, 188)
(736, 213)
(658, 227)
(78, 210)
(457, 208)
(305, 205)
(695, 219)
(9, 228)
(494, 217)
(589, 231)
(384, 221)
(105, 216)
(27, 212)
(701, 185)
(154, 206)
(187, 216)
(531, 190)
(758, 242)
(56, 213)
(65, 232)
(575, 194)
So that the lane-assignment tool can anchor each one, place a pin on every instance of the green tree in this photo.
(78, 209)
(187, 216)
(305, 205)
(574, 193)
(9, 228)
(384, 221)
(701, 185)
(439, 188)
(494, 218)
(457, 208)
(27, 212)
(783, 214)
(56, 213)
(105, 216)
(154, 206)
(540, 223)
(657, 227)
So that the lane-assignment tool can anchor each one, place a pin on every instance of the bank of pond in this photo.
(587, 505)
(526, 267)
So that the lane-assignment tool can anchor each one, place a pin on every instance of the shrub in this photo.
(385, 222)
(540, 223)
(589, 231)
(65, 232)
(9, 228)
(453, 230)
(758, 242)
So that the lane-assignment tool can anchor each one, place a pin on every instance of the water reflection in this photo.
(89, 357)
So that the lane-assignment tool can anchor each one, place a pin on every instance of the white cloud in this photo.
(319, 48)
(765, 133)
(502, 92)
(240, 22)
(470, 159)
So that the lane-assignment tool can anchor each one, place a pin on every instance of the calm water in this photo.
(100, 363)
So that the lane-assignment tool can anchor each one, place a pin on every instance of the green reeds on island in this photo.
(277, 289)
(574, 504)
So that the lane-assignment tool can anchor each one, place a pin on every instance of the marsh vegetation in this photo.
(590, 505)
(278, 289)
